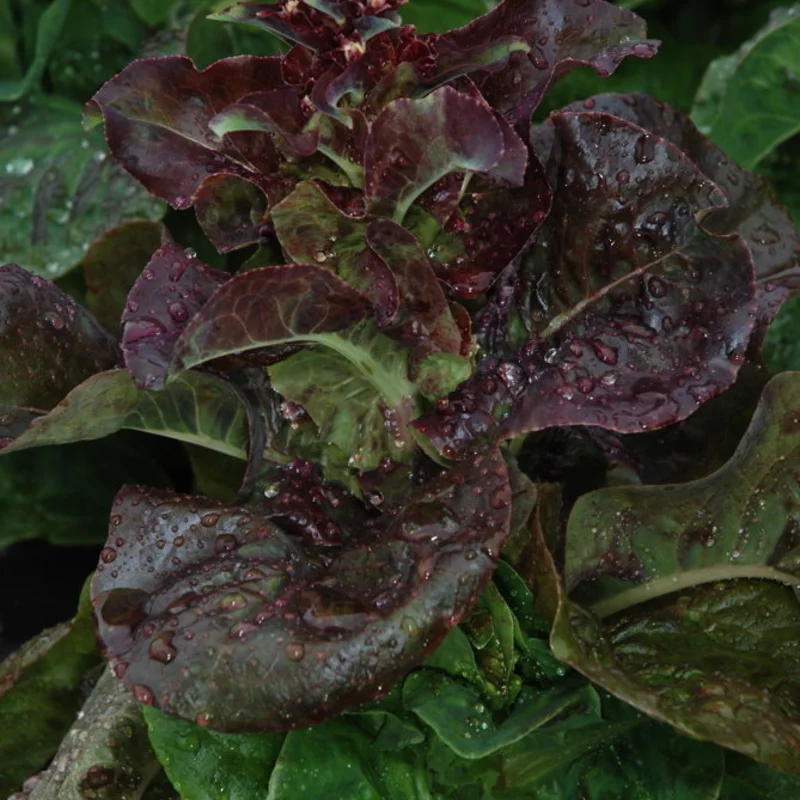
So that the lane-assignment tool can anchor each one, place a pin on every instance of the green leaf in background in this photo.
(442, 15)
(113, 263)
(695, 584)
(206, 765)
(9, 62)
(194, 408)
(47, 33)
(39, 695)
(59, 190)
(62, 494)
(747, 102)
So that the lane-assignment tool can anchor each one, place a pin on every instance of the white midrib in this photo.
(659, 587)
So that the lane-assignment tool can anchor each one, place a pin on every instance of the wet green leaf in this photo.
(695, 587)
(59, 190)
(39, 695)
(195, 408)
(747, 102)
(206, 765)
(47, 32)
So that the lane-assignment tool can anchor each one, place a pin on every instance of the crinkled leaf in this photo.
(275, 627)
(357, 391)
(48, 344)
(172, 288)
(380, 259)
(695, 581)
(39, 695)
(562, 35)
(752, 109)
(113, 263)
(414, 143)
(194, 408)
(157, 114)
(268, 307)
(105, 754)
(752, 210)
(202, 764)
(59, 190)
(457, 714)
(635, 315)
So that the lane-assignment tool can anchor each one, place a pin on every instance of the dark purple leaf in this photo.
(267, 307)
(248, 619)
(48, 343)
(634, 315)
(752, 211)
(157, 114)
(168, 293)
(414, 143)
(561, 34)
(232, 211)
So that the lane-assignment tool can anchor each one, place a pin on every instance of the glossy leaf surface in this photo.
(59, 189)
(256, 593)
(172, 288)
(48, 344)
(633, 314)
(699, 617)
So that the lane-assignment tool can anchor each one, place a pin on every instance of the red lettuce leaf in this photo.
(157, 113)
(244, 619)
(49, 344)
(561, 34)
(414, 143)
(626, 313)
(268, 307)
(168, 293)
(752, 210)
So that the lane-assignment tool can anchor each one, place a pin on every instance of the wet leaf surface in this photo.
(246, 620)
(59, 189)
(48, 343)
(700, 620)
(634, 316)
(39, 695)
(171, 289)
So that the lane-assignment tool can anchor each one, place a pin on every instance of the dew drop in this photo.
(209, 520)
(108, 554)
(225, 543)
(144, 694)
(178, 311)
(161, 648)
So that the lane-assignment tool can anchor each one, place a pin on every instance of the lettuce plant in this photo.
(435, 291)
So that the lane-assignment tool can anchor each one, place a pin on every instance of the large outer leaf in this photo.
(752, 209)
(59, 190)
(253, 619)
(194, 408)
(562, 34)
(172, 288)
(156, 114)
(697, 581)
(39, 695)
(634, 315)
(414, 143)
(48, 344)
(747, 101)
